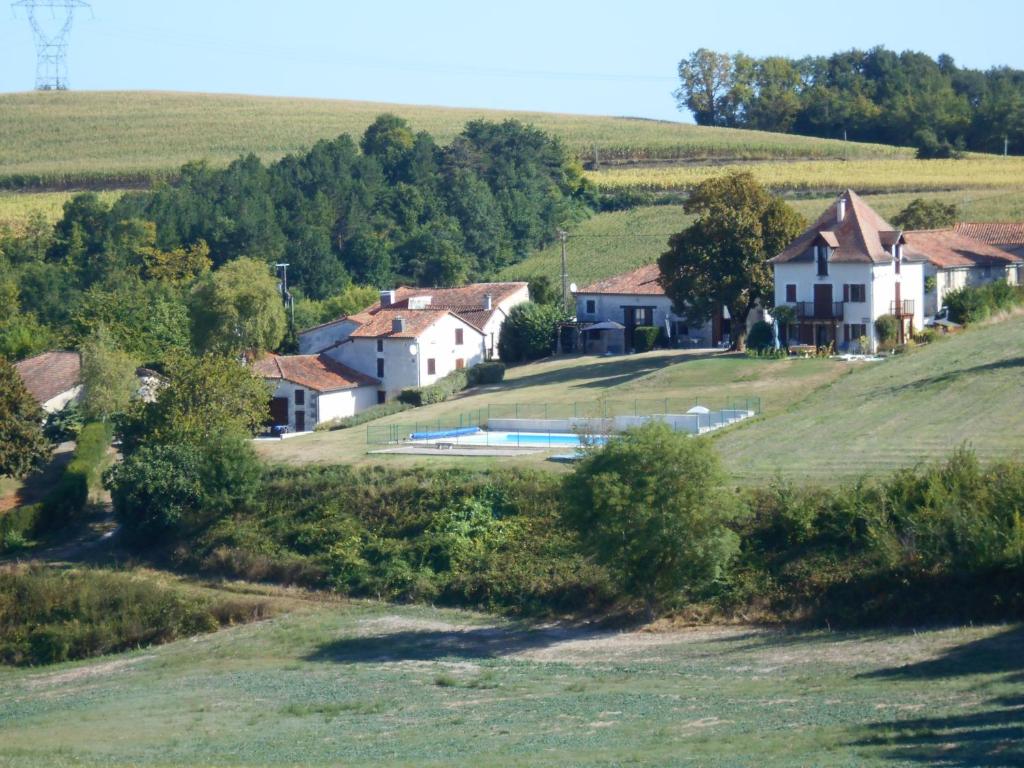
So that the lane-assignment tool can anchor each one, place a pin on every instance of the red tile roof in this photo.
(318, 372)
(947, 248)
(466, 301)
(862, 235)
(642, 281)
(1004, 233)
(50, 374)
(381, 324)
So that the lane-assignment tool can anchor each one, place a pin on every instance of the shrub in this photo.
(925, 336)
(71, 492)
(967, 305)
(17, 525)
(370, 414)
(887, 328)
(529, 332)
(438, 392)
(761, 336)
(49, 616)
(63, 425)
(644, 338)
(491, 372)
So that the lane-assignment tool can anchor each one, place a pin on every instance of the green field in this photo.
(61, 137)
(826, 420)
(334, 683)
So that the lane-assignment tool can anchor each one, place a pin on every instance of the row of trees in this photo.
(907, 98)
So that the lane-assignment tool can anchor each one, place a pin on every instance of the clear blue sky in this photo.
(589, 57)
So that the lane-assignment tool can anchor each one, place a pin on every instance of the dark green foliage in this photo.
(490, 539)
(23, 447)
(49, 616)
(972, 304)
(926, 214)
(438, 392)
(529, 332)
(907, 99)
(887, 329)
(722, 258)
(761, 336)
(650, 506)
(370, 414)
(645, 337)
(18, 525)
(71, 492)
(65, 424)
(491, 372)
(542, 290)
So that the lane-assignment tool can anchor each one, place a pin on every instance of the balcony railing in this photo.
(814, 310)
(903, 308)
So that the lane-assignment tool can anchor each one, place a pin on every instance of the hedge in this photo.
(370, 414)
(492, 372)
(644, 337)
(438, 392)
(71, 493)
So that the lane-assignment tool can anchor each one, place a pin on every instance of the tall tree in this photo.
(722, 258)
(23, 448)
(109, 381)
(237, 309)
(706, 80)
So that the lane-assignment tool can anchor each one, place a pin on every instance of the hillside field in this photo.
(59, 138)
(360, 684)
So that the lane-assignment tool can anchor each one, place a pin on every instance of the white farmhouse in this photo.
(311, 389)
(1005, 235)
(609, 310)
(954, 260)
(847, 270)
(405, 348)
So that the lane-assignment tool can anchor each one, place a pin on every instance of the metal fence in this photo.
(389, 434)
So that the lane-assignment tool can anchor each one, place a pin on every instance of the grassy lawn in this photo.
(967, 389)
(619, 381)
(367, 684)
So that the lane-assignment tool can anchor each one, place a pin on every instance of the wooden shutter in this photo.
(846, 291)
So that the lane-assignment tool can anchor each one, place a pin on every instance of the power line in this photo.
(51, 36)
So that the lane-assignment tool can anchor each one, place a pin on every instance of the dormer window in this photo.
(821, 257)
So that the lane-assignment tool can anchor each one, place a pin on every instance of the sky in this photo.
(584, 57)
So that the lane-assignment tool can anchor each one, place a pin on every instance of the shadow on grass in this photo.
(472, 643)
(608, 373)
(991, 737)
(950, 377)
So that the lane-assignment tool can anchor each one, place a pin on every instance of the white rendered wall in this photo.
(608, 306)
(318, 339)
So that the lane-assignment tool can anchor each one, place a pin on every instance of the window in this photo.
(855, 292)
(460, 364)
(431, 366)
(458, 337)
(822, 258)
(791, 293)
(300, 397)
(380, 367)
(853, 331)
(380, 345)
(591, 306)
(382, 397)
(897, 257)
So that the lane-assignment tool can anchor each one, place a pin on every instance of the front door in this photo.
(823, 300)
(300, 421)
(279, 411)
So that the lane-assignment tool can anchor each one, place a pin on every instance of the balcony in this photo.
(903, 308)
(816, 310)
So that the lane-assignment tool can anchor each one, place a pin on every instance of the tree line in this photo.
(349, 217)
(907, 99)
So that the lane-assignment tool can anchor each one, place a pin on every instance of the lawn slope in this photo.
(363, 684)
(110, 137)
(911, 408)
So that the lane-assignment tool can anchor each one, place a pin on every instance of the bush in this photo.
(370, 414)
(887, 328)
(644, 338)
(761, 336)
(491, 372)
(71, 493)
(438, 392)
(49, 616)
(17, 526)
(973, 304)
(529, 332)
(63, 425)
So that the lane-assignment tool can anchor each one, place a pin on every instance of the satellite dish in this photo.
(573, 288)
(413, 349)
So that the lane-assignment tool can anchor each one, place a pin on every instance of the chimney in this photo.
(398, 325)
(488, 301)
(387, 298)
(841, 209)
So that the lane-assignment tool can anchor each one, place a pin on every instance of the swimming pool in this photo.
(523, 439)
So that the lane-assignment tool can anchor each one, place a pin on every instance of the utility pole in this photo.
(564, 237)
